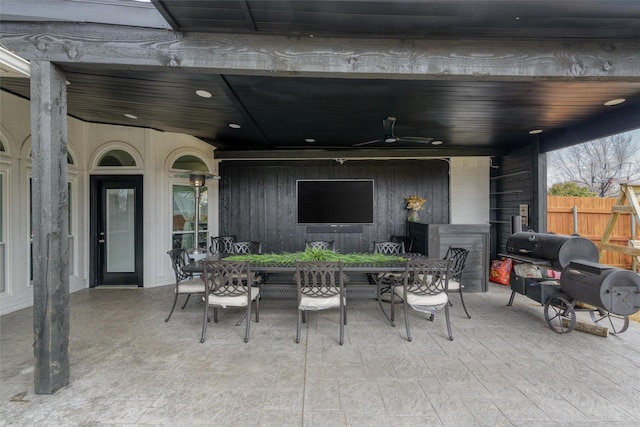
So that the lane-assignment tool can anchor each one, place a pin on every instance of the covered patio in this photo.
(504, 367)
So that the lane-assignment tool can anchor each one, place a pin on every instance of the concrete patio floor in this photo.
(505, 367)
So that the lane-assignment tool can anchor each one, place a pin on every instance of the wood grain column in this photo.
(50, 219)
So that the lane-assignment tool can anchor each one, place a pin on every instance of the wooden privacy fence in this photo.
(589, 221)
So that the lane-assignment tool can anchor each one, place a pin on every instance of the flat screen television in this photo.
(335, 201)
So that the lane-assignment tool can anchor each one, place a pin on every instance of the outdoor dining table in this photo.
(378, 271)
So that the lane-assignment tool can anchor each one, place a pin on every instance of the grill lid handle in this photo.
(577, 272)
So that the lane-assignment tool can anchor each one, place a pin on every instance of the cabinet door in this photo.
(419, 232)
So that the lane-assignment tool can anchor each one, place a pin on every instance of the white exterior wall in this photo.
(469, 190)
(154, 151)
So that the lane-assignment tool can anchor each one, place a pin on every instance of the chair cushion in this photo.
(192, 286)
(435, 300)
(233, 301)
(319, 303)
(453, 285)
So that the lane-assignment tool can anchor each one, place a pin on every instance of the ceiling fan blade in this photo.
(416, 139)
(360, 144)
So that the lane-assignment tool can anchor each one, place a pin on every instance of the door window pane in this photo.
(120, 230)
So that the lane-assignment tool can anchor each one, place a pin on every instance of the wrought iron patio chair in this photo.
(186, 284)
(222, 244)
(388, 248)
(226, 286)
(320, 286)
(424, 289)
(458, 257)
(247, 247)
(384, 281)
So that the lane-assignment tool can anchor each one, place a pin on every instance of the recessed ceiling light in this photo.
(203, 93)
(130, 116)
(234, 126)
(535, 131)
(436, 142)
(309, 140)
(614, 102)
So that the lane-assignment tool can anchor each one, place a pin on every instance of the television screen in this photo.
(335, 201)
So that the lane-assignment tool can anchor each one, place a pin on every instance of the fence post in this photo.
(575, 220)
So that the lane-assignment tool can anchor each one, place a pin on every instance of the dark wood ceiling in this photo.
(459, 18)
(341, 113)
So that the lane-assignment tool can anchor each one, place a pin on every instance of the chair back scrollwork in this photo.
(458, 257)
(388, 248)
(179, 258)
(320, 244)
(222, 244)
(248, 247)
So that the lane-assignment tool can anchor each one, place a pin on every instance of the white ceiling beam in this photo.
(11, 65)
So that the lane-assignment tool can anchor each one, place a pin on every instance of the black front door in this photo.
(116, 230)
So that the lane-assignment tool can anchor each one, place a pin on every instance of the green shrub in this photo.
(570, 189)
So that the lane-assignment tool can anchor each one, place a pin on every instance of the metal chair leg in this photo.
(247, 330)
(406, 321)
(244, 314)
(343, 321)
(464, 306)
(386, 316)
(175, 300)
(185, 302)
(204, 323)
(258, 309)
(299, 326)
(446, 314)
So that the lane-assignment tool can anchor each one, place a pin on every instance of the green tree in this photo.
(570, 189)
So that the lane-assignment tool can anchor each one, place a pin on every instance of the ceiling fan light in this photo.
(436, 142)
(390, 139)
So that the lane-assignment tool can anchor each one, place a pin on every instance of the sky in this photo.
(552, 178)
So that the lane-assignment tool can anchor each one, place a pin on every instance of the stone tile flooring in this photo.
(505, 367)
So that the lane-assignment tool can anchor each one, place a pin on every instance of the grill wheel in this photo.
(559, 315)
(617, 324)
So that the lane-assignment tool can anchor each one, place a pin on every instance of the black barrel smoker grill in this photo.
(613, 293)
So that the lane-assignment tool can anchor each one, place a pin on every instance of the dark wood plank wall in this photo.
(511, 185)
(258, 199)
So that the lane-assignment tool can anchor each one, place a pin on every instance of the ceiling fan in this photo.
(390, 137)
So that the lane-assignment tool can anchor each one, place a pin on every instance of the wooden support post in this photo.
(50, 219)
